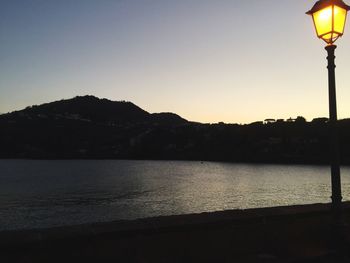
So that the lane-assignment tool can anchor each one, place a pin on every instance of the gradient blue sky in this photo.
(207, 60)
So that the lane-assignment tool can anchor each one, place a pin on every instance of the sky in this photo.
(236, 61)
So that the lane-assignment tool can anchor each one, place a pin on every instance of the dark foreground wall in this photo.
(281, 234)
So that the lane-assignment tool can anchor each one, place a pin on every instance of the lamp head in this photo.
(329, 18)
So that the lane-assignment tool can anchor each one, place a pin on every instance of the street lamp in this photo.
(329, 18)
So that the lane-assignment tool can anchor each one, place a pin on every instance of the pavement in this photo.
(291, 234)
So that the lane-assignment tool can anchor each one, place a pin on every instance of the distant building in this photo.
(267, 121)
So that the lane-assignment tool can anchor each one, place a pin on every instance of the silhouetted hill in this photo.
(168, 118)
(88, 127)
(92, 109)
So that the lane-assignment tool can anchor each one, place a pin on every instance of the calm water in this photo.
(51, 193)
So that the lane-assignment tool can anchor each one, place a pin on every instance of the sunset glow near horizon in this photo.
(208, 61)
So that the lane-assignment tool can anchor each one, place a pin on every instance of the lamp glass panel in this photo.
(329, 38)
(323, 21)
(339, 19)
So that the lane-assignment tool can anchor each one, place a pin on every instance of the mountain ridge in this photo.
(86, 127)
(91, 108)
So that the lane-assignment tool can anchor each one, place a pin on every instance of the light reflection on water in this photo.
(50, 193)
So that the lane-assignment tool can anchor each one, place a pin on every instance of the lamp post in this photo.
(329, 17)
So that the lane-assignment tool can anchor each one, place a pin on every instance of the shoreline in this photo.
(320, 164)
(301, 231)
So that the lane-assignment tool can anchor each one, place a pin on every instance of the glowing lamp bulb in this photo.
(329, 18)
